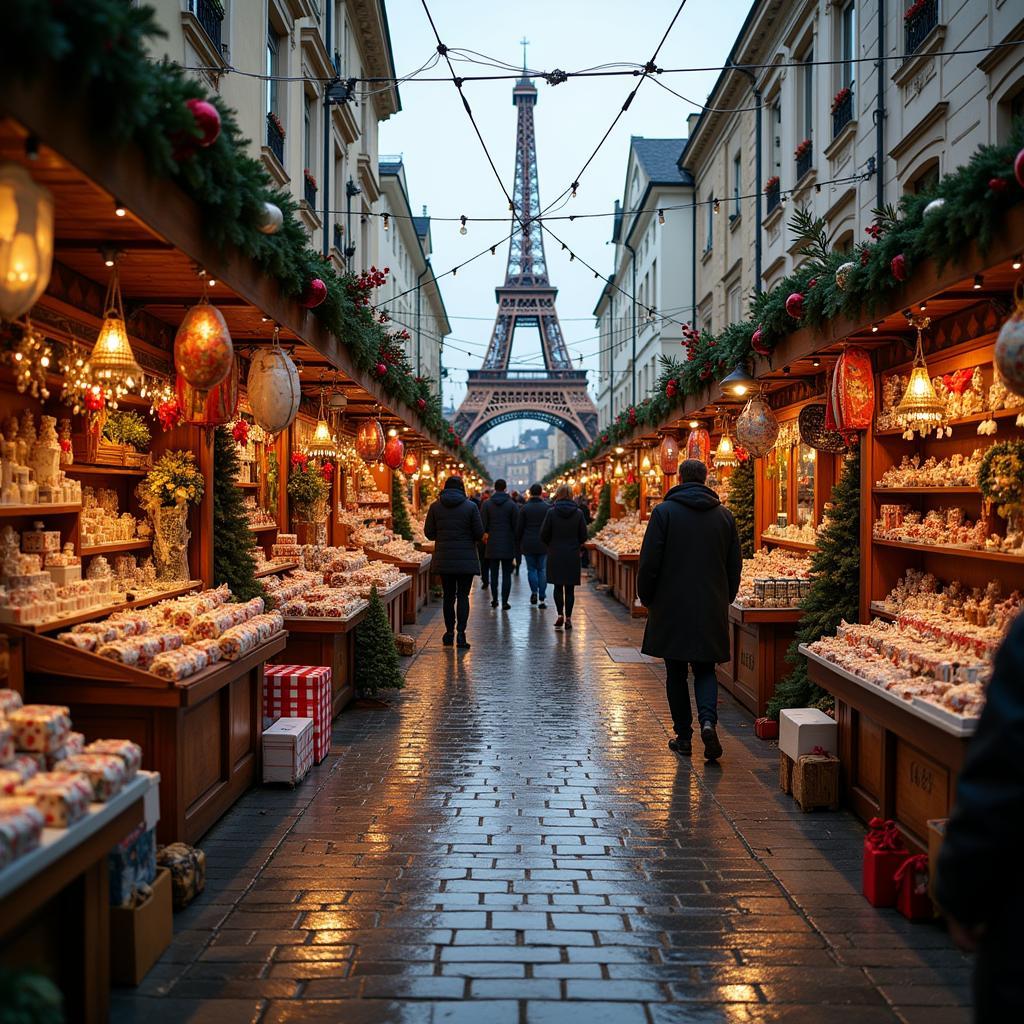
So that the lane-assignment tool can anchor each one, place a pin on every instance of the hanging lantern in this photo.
(619, 472)
(698, 445)
(645, 463)
(321, 444)
(756, 428)
(1009, 350)
(202, 347)
(920, 410)
(394, 452)
(814, 432)
(370, 440)
(411, 463)
(725, 453)
(854, 390)
(26, 241)
(112, 360)
(211, 408)
(273, 388)
(426, 468)
(668, 455)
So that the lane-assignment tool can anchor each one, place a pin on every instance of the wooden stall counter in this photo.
(202, 736)
(900, 759)
(758, 641)
(418, 595)
(619, 572)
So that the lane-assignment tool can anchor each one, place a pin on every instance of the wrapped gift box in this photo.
(288, 750)
(21, 826)
(106, 773)
(803, 729)
(130, 753)
(40, 541)
(188, 871)
(9, 700)
(62, 797)
(912, 899)
(65, 575)
(40, 728)
(884, 854)
(301, 691)
(131, 865)
(766, 728)
(6, 742)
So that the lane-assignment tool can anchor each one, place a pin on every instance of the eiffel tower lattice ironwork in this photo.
(556, 394)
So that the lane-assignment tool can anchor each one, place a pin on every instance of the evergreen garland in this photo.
(400, 523)
(234, 546)
(604, 511)
(834, 593)
(741, 503)
(377, 666)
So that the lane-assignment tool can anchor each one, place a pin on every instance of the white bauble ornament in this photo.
(757, 429)
(270, 219)
(935, 204)
(273, 389)
(1009, 351)
(843, 275)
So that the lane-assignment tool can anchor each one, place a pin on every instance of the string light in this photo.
(979, 280)
(661, 216)
(462, 230)
(119, 210)
(387, 221)
(716, 203)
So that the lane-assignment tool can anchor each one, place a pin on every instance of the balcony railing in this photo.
(209, 14)
(804, 162)
(842, 113)
(772, 197)
(309, 194)
(917, 25)
(275, 139)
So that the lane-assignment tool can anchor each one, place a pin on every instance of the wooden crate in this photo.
(816, 782)
(785, 773)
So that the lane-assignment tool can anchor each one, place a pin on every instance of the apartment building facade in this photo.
(650, 291)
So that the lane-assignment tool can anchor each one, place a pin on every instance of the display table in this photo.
(619, 572)
(758, 641)
(599, 562)
(202, 736)
(900, 759)
(55, 903)
(418, 595)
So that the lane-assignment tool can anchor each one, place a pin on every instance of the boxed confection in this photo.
(139, 934)
(6, 742)
(301, 691)
(62, 797)
(9, 700)
(288, 750)
(21, 827)
(130, 753)
(884, 854)
(106, 773)
(41, 728)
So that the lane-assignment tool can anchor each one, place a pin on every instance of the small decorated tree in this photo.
(604, 510)
(400, 523)
(741, 503)
(234, 546)
(377, 666)
(834, 593)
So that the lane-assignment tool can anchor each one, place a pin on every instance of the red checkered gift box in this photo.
(301, 691)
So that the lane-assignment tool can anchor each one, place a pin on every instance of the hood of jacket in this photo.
(565, 508)
(694, 495)
(499, 498)
(452, 498)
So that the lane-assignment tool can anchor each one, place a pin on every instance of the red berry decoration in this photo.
(899, 267)
(169, 414)
(315, 293)
(207, 121)
(1018, 168)
(327, 471)
(810, 284)
(865, 255)
(421, 404)
(381, 369)
(795, 305)
(240, 432)
(94, 399)
(998, 185)
(671, 389)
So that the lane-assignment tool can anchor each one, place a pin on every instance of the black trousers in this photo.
(505, 564)
(484, 565)
(565, 598)
(455, 600)
(705, 691)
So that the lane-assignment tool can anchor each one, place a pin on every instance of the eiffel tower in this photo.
(558, 393)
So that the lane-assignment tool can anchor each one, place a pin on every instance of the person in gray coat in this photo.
(453, 523)
(499, 518)
(688, 575)
(531, 516)
(564, 532)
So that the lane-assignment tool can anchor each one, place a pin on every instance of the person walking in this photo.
(481, 547)
(531, 518)
(688, 575)
(499, 518)
(453, 523)
(564, 531)
(979, 892)
(584, 507)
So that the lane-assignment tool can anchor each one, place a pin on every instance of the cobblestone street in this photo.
(510, 840)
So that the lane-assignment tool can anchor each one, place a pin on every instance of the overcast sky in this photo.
(448, 171)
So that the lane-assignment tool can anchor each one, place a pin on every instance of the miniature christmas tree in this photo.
(604, 510)
(741, 503)
(376, 654)
(399, 513)
(234, 557)
(834, 593)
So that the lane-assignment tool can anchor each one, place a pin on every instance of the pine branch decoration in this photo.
(234, 546)
(741, 503)
(377, 665)
(400, 523)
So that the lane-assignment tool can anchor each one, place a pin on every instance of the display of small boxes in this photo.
(40, 542)
(130, 753)
(801, 730)
(41, 728)
(62, 797)
(105, 772)
(63, 575)
(288, 750)
(6, 741)
(9, 700)
(21, 826)
(301, 691)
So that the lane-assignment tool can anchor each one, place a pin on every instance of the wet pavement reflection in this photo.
(510, 841)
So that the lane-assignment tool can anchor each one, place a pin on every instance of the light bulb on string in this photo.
(463, 230)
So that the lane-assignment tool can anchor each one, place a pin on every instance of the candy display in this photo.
(955, 471)
(806, 533)
(623, 536)
(774, 578)
(402, 551)
(21, 827)
(40, 728)
(286, 547)
(30, 461)
(382, 575)
(948, 527)
(373, 496)
(102, 522)
(61, 797)
(257, 517)
(106, 773)
(129, 753)
(241, 639)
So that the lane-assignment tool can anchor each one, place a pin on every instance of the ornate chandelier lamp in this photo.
(921, 410)
(112, 361)
(725, 453)
(322, 445)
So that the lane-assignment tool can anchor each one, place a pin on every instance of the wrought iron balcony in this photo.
(804, 161)
(275, 139)
(309, 194)
(772, 196)
(842, 112)
(209, 14)
(918, 22)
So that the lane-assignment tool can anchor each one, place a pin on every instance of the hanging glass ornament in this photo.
(273, 387)
(1009, 350)
(756, 427)
(370, 440)
(26, 240)
(668, 455)
(394, 452)
(203, 352)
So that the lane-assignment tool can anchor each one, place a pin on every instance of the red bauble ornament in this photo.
(410, 464)
(327, 471)
(207, 121)
(998, 185)
(698, 445)
(394, 452)
(421, 404)
(668, 454)
(240, 432)
(381, 369)
(370, 440)
(899, 267)
(671, 389)
(1018, 168)
(203, 354)
(795, 305)
(314, 293)
(757, 342)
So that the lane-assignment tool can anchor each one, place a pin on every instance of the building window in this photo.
(308, 142)
(807, 92)
(273, 70)
(848, 45)
(732, 302)
(737, 174)
(709, 227)
(925, 180)
(776, 138)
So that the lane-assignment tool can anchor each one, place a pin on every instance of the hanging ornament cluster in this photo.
(1009, 350)
(853, 391)
(394, 452)
(756, 427)
(920, 410)
(31, 357)
(668, 455)
(370, 440)
(273, 387)
(26, 241)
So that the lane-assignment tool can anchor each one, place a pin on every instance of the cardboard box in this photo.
(288, 750)
(301, 691)
(139, 935)
(801, 730)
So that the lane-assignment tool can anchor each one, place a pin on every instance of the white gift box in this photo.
(288, 750)
(803, 729)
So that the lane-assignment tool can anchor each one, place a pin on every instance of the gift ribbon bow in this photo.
(884, 835)
(917, 867)
(820, 752)
(957, 382)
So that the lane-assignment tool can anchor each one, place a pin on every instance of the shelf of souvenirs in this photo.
(400, 551)
(802, 537)
(621, 538)
(774, 579)
(337, 588)
(114, 546)
(265, 526)
(39, 509)
(954, 474)
(273, 568)
(945, 531)
(91, 469)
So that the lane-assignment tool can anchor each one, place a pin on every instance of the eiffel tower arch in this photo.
(556, 394)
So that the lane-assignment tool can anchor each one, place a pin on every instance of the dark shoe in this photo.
(483, 586)
(542, 605)
(494, 604)
(568, 622)
(506, 606)
(448, 639)
(682, 745)
(533, 599)
(559, 622)
(462, 643)
(712, 745)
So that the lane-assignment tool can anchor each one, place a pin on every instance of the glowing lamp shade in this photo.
(26, 241)
(668, 455)
(203, 352)
(426, 467)
(920, 408)
(394, 452)
(321, 444)
(619, 472)
(112, 360)
(370, 440)
(645, 463)
(410, 464)
(698, 445)
(725, 453)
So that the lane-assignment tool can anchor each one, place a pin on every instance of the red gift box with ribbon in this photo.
(884, 854)
(913, 901)
(766, 728)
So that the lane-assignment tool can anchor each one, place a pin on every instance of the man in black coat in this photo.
(531, 515)
(499, 517)
(453, 523)
(688, 575)
(480, 548)
(979, 886)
